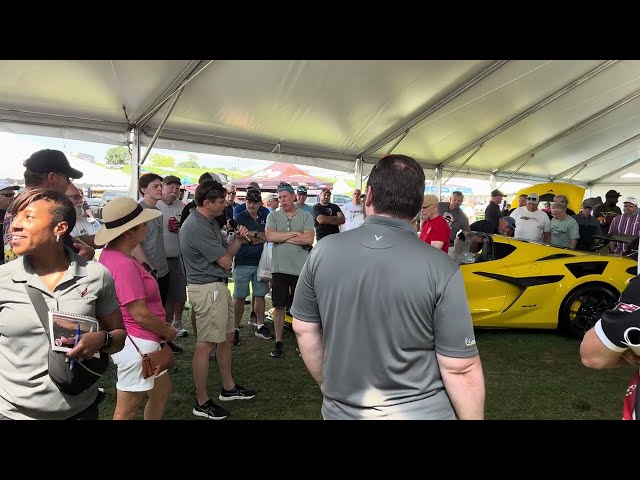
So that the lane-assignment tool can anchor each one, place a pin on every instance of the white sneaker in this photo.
(182, 333)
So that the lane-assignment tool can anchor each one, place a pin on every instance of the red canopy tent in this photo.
(269, 178)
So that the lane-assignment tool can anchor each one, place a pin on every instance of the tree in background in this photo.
(117, 156)
(191, 162)
(158, 160)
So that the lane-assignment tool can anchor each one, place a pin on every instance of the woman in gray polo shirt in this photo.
(68, 283)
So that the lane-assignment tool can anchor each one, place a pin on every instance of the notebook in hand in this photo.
(64, 327)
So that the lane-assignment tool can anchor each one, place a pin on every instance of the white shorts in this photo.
(129, 363)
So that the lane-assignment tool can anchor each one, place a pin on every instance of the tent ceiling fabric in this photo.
(537, 117)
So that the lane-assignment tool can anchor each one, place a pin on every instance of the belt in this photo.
(217, 279)
(172, 258)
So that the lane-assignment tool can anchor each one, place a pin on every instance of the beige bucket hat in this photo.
(122, 214)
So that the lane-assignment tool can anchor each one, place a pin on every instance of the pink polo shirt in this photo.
(133, 282)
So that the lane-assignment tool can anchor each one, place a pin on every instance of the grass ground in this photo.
(528, 375)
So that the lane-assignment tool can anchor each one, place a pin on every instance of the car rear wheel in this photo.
(583, 306)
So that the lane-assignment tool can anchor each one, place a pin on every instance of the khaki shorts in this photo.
(213, 306)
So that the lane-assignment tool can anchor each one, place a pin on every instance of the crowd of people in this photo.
(413, 338)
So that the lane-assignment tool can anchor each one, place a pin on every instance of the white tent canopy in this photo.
(531, 120)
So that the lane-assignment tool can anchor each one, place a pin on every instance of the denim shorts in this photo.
(242, 275)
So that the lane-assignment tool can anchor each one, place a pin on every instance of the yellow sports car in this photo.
(521, 284)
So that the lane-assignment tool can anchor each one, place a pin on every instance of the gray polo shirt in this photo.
(288, 258)
(201, 244)
(26, 390)
(153, 244)
(387, 303)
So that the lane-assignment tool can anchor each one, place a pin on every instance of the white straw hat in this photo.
(122, 214)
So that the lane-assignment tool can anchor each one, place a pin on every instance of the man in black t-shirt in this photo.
(326, 216)
(615, 341)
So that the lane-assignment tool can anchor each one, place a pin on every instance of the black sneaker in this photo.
(253, 319)
(236, 337)
(263, 332)
(278, 352)
(210, 410)
(175, 348)
(238, 393)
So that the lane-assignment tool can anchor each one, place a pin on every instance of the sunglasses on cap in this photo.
(533, 199)
(253, 197)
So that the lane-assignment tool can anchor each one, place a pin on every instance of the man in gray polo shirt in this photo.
(291, 231)
(379, 317)
(207, 260)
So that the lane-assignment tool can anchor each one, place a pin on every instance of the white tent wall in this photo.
(521, 119)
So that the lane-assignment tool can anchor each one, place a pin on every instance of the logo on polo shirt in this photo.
(378, 237)
(469, 342)
(83, 292)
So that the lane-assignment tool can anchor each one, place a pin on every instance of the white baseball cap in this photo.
(633, 200)
(4, 185)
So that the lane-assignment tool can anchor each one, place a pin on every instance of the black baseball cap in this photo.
(46, 161)
(612, 194)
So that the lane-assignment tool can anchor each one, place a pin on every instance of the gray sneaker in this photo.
(253, 319)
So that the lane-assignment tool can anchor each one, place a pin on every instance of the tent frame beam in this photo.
(571, 130)
(408, 125)
(617, 170)
(531, 110)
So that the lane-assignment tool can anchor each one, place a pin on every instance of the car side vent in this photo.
(586, 268)
(556, 256)
(632, 270)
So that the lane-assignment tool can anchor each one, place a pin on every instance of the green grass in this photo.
(528, 375)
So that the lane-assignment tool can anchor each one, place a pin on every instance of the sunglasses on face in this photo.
(69, 179)
(531, 199)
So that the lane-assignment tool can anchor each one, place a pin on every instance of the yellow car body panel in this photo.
(524, 284)
(546, 192)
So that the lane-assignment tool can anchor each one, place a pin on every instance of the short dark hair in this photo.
(209, 190)
(34, 179)
(457, 193)
(146, 179)
(62, 210)
(397, 184)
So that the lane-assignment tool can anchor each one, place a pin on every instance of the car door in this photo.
(484, 280)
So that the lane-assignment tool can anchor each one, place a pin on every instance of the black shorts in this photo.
(283, 287)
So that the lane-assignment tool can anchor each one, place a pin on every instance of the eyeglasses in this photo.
(289, 226)
(68, 178)
(8, 195)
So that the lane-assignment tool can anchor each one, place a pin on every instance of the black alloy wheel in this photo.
(583, 307)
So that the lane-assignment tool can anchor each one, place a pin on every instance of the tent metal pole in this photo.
(516, 171)
(147, 116)
(358, 173)
(464, 163)
(438, 181)
(160, 127)
(133, 142)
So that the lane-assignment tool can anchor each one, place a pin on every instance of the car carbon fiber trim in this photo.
(523, 282)
(580, 269)
(556, 257)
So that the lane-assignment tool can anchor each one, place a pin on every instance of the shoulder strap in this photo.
(134, 344)
(40, 305)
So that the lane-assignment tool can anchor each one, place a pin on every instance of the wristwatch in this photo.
(108, 340)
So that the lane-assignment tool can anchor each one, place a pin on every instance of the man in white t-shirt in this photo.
(531, 223)
(353, 212)
(83, 229)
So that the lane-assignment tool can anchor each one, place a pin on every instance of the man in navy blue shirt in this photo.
(246, 266)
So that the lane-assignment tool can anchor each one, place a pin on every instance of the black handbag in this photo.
(72, 381)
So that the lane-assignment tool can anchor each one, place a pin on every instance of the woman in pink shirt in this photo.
(435, 229)
(142, 311)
